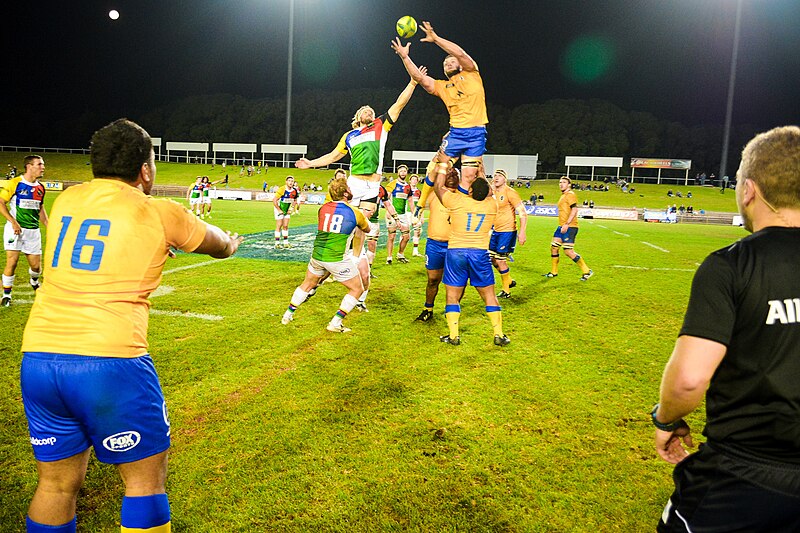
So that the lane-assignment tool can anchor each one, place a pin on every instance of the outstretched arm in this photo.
(466, 62)
(322, 161)
(404, 97)
(417, 74)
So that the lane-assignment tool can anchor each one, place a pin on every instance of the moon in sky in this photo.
(113, 14)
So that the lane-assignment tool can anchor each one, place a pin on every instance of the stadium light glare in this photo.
(289, 75)
(723, 166)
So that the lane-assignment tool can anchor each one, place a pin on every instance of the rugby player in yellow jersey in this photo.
(467, 259)
(366, 143)
(436, 244)
(87, 378)
(567, 230)
(505, 234)
(463, 94)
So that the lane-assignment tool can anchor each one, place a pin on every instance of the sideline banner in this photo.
(542, 210)
(227, 194)
(679, 164)
(613, 214)
(660, 216)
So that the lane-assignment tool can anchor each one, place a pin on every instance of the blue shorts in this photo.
(470, 142)
(465, 264)
(435, 252)
(503, 242)
(73, 402)
(568, 237)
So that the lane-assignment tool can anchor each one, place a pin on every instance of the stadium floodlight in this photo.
(289, 75)
(723, 166)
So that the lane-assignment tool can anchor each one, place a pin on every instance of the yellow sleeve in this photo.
(514, 198)
(7, 188)
(182, 229)
(361, 220)
(342, 146)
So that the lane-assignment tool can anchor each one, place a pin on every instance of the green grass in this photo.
(291, 428)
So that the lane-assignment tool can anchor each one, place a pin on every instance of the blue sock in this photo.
(36, 527)
(144, 512)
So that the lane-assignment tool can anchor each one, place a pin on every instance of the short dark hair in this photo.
(119, 150)
(29, 160)
(480, 189)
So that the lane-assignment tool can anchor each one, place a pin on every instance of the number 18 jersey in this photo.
(337, 221)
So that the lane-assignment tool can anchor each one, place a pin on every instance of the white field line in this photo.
(620, 233)
(196, 265)
(656, 247)
(186, 315)
(656, 268)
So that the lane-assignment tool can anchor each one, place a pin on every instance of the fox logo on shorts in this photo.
(122, 442)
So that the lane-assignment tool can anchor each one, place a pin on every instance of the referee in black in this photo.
(740, 347)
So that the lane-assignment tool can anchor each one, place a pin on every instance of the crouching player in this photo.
(337, 222)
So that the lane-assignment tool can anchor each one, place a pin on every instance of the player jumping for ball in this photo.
(366, 143)
(462, 92)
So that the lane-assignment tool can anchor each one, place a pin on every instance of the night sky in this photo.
(669, 57)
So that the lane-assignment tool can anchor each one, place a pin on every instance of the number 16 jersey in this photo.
(107, 243)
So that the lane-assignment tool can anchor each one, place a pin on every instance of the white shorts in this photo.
(374, 230)
(341, 271)
(280, 215)
(362, 190)
(28, 242)
(206, 200)
(195, 201)
(404, 218)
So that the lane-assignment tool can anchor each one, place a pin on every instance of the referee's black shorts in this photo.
(719, 491)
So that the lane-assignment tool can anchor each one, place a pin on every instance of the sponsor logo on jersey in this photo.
(49, 441)
(122, 442)
(783, 311)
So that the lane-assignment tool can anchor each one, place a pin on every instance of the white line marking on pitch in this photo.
(620, 233)
(656, 247)
(187, 267)
(646, 268)
(185, 315)
(601, 226)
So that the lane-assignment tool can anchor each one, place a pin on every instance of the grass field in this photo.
(292, 428)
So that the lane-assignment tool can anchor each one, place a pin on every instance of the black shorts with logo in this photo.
(719, 491)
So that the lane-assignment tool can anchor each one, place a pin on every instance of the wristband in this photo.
(672, 426)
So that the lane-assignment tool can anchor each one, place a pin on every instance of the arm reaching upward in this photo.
(405, 96)
(417, 74)
(466, 62)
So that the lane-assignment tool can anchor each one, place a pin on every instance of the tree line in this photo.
(553, 129)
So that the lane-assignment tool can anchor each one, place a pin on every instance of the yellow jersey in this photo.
(565, 203)
(438, 221)
(471, 221)
(107, 243)
(507, 202)
(465, 99)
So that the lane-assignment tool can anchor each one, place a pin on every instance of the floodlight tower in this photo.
(723, 166)
(289, 75)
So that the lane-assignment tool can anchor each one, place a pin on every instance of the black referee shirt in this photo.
(747, 297)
